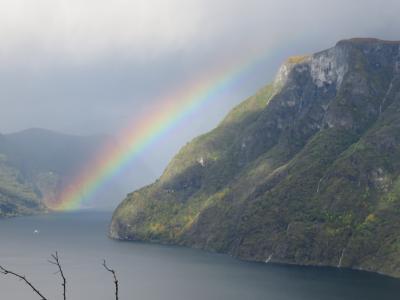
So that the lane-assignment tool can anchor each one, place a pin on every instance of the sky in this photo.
(95, 66)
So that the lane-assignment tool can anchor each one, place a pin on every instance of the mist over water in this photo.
(154, 272)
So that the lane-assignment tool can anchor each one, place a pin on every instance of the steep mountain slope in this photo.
(304, 172)
(38, 150)
(34, 165)
(17, 197)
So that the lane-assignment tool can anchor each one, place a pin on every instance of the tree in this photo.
(55, 260)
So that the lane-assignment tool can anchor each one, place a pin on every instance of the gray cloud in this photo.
(94, 66)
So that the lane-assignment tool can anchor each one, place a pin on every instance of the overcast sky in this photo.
(93, 66)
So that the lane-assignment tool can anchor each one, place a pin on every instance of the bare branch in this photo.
(115, 278)
(55, 260)
(4, 271)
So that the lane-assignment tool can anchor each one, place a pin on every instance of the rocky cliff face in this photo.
(304, 172)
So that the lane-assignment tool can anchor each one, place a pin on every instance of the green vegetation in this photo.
(33, 165)
(303, 173)
(16, 196)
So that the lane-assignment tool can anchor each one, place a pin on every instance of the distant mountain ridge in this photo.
(307, 171)
(38, 149)
(34, 165)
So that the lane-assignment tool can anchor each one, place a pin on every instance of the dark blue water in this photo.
(153, 272)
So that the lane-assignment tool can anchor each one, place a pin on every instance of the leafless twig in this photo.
(115, 278)
(23, 278)
(55, 260)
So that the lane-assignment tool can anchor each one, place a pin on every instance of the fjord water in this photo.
(154, 272)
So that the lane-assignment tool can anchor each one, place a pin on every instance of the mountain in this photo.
(17, 196)
(307, 171)
(36, 163)
(37, 150)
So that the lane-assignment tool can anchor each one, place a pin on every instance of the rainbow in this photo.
(143, 132)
